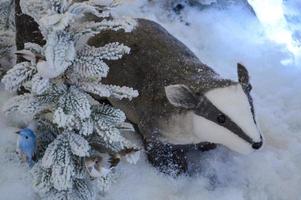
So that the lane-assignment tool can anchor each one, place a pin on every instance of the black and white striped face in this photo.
(223, 115)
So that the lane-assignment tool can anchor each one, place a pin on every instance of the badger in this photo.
(181, 101)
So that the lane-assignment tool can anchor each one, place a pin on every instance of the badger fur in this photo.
(182, 101)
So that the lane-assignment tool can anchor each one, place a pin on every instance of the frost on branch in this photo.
(86, 30)
(106, 119)
(62, 77)
(25, 105)
(39, 84)
(105, 182)
(62, 119)
(76, 103)
(111, 139)
(79, 146)
(52, 94)
(57, 174)
(18, 75)
(89, 64)
(42, 178)
(60, 6)
(89, 67)
(59, 158)
(85, 127)
(7, 36)
(106, 116)
(111, 51)
(109, 90)
(82, 188)
(46, 132)
(59, 53)
(35, 8)
(123, 92)
(95, 88)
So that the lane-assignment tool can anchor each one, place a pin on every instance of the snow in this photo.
(272, 15)
(220, 39)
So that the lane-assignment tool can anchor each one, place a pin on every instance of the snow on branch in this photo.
(109, 90)
(95, 88)
(61, 76)
(89, 29)
(39, 84)
(123, 92)
(76, 103)
(18, 75)
(35, 8)
(59, 52)
(90, 67)
(112, 139)
(111, 51)
(106, 116)
(79, 146)
(24, 104)
(58, 157)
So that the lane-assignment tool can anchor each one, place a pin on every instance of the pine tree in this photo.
(62, 76)
(6, 34)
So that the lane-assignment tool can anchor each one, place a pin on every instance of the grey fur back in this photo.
(157, 59)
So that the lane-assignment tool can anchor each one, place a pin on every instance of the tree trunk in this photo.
(27, 30)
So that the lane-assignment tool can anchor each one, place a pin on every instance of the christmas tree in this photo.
(7, 36)
(61, 80)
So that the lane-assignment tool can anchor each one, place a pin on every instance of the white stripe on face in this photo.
(233, 102)
(208, 131)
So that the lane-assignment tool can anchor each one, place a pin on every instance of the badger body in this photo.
(176, 104)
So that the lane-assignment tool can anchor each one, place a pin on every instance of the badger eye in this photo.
(221, 119)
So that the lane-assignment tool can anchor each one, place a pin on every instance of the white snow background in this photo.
(220, 38)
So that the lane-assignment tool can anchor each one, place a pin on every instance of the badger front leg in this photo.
(168, 158)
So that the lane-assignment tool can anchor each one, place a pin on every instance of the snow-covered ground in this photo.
(220, 38)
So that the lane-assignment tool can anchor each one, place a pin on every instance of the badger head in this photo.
(222, 115)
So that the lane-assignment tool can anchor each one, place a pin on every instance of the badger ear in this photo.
(243, 74)
(181, 96)
(243, 77)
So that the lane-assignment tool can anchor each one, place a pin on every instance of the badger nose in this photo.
(257, 145)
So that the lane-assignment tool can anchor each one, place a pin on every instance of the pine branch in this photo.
(23, 105)
(39, 84)
(59, 52)
(79, 146)
(112, 91)
(35, 8)
(111, 139)
(88, 29)
(18, 75)
(95, 88)
(89, 67)
(61, 76)
(122, 92)
(41, 179)
(60, 6)
(75, 102)
(111, 51)
(52, 94)
(106, 116)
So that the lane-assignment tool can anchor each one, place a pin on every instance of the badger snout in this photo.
(257, 145)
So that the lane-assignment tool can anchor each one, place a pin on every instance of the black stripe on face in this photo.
(209, 111)
(250, 99)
